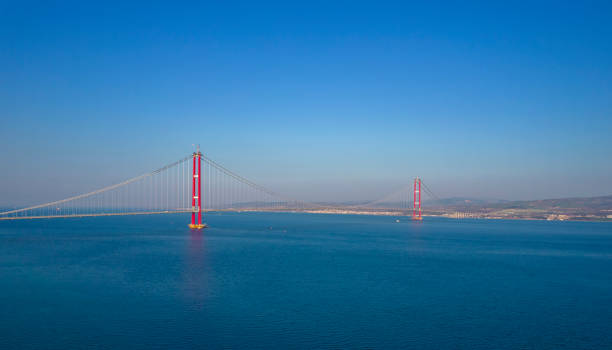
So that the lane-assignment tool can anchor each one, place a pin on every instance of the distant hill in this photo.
(591, 203)
(460, 201)
(594, 203)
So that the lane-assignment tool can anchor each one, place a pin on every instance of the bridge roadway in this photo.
(140, 213)
(92, 215)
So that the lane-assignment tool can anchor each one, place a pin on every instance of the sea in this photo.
(304, 281)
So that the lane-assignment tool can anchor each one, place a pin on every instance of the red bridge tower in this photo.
(196, 192)
(416, 209)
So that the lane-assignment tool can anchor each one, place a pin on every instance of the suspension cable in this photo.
(108, 188)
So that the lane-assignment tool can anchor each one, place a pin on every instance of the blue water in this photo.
(304, 281)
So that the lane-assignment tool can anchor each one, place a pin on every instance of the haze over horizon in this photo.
(320, 102)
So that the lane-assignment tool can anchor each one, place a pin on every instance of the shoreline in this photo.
(338, 211)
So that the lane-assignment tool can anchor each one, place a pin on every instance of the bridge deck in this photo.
(94, 215)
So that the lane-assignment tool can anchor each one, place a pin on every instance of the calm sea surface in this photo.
(304, 281)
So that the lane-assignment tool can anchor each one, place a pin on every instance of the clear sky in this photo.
(319, 100)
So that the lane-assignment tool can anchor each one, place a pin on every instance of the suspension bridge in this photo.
(196, 184)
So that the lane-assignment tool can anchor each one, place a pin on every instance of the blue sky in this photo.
(319, 100)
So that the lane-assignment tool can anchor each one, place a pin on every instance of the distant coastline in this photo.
(451, 214)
